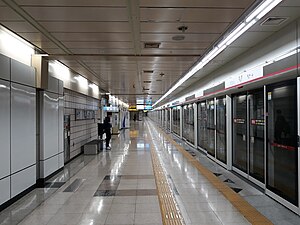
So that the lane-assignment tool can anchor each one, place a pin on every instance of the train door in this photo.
(282, 147)
(248, 153)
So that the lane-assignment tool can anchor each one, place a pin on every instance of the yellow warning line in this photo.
(169, 209)
(247, 210)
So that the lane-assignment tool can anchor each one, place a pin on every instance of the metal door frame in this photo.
(268, 192)
(239, 171)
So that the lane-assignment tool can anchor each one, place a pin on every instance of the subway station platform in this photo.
(149, 177)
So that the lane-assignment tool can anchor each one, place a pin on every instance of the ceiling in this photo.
(104, 40)
(289, 9)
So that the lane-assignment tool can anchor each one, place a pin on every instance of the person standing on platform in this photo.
(107, 130)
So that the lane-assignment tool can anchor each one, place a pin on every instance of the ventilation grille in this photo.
(147, 81)
(273, 21)
(148, 71)
(151, 45)
(178, 37)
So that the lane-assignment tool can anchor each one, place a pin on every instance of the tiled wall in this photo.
(82, 131)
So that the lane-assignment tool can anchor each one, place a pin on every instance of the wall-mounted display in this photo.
(83, 114)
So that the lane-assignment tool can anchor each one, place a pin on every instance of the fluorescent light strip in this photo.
(234, 32)
(241, 32)
(255, 15)
(268, 8)
(258, 10)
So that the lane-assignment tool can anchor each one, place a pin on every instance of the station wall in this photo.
(18, 128)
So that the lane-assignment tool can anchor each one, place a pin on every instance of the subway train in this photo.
(245, 116)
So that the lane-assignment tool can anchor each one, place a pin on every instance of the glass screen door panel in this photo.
(176, 121)
(185, 122)
(221, 152)
(202, 121)
(210, 128)
(282, 150)
(256, 133)
(191, 132)
(239, 132)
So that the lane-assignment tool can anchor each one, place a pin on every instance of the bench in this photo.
(93, 147)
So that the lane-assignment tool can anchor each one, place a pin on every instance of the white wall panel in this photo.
(50, 125)
(49, 166)
(23, 180)
(5, 190)
(52, 84)
(23, 127)
(5, 67)
(22, 73)
(4, 129)
(61, 160)
(61, 124)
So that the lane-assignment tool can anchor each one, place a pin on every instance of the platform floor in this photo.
(149, 177)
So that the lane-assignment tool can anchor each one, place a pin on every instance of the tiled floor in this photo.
(118, 187)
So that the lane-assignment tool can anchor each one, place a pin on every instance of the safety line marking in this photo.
(170, 211)
(247, 210)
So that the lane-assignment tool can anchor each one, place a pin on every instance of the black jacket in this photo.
(106, 125)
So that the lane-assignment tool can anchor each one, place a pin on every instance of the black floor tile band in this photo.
(54, 184)
(74, 185)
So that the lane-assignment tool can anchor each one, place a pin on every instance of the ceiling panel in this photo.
(188, 37)
(250, 39)
(20, 26)
(82, 27)
(102, 51)
(84, 44)
(77, 13)
(7, 14)
(183, 45)
(172, 51)
(290, 3)
(288, 12)
(189, 15)
(33, 37)
(148, 27)
(197, 3)
(93, 36)
(72, 3)
(53, 51)
(44, 44)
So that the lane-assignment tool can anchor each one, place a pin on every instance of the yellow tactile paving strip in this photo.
(247, 210)
(169, 210)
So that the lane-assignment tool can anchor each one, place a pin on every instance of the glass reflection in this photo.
(188, 123)
(176, 120)
(221, 129)
(282, 150)
(202, 124)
